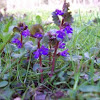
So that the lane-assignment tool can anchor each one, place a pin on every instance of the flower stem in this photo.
(22, 40)
(54, 58)
(40, 61)
(50, 54)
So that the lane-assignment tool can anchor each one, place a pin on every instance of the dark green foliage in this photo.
(67, 13)
(56, 19)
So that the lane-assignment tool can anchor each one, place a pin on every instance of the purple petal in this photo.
(61, 34)
(26, 33)
(61, 45)
(36, 54)
(44, 50)
(64, 53)
(19, 45)
(68, 29)
(58, 12)
(18, 42)
(38, 35)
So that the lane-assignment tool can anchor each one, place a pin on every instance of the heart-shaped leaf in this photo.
(16, 29)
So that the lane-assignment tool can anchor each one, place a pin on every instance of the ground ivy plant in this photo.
(43, 46)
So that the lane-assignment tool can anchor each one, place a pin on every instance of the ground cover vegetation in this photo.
(56, 60)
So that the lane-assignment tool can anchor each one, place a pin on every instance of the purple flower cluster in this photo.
(58, 12)
(23, 29)
(26, 33)
(61, 34)
(42, 51)
(65, 31)
(18, 42)
(68, 29)
(54, 39)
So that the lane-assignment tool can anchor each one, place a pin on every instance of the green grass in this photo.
(22, 78)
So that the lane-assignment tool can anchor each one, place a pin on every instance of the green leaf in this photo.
(45, 39)
(61, 76)
(73, 58)
(16, 29)
(6, 76)
(6, 29)
(36, 67)
(16, 55)
(38, 19)
(67, 14)
(97, 61)
(6, 93)
(52, 78)
(10, 48)
(90, 88)
(3, 83)
(96, 20)
(58, 83)
(1, 40)
(56, 19)
(94, 50)
(29, 46)
(68, 17)
(6, 39)
(36, 28)
(1, 36)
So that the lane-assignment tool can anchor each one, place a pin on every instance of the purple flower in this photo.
(64, 53)
(44, 50)
(36, 54)
(18, 42)
(68, 29)
(61, 34)
(58, 12)
(38, 35)
(19, 45)
(26, 33)
(61, 45)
